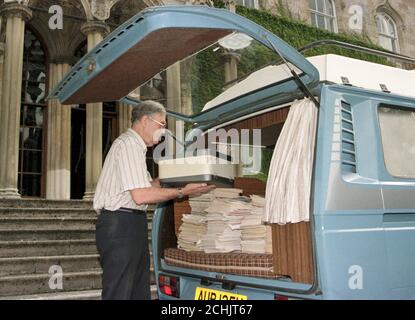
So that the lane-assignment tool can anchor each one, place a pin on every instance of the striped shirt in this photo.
(124, 169)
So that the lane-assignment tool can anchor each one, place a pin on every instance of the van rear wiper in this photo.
(296, 78)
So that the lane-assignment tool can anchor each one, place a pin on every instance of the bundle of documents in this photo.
(257, 201)
(201, 202)
(256, 239)
(223, 221)
(191, 231)
(255, 236)
(231, 193)
(224, 217)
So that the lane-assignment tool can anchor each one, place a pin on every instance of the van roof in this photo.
(334, 69)
(365, 74)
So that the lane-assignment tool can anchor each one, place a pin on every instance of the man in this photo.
(123, 192)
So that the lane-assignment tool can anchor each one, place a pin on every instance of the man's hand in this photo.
(197, 188)
(156, 183)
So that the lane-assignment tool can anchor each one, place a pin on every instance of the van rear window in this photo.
(397, 128)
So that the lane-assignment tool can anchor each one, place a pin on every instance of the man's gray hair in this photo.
(146, 108)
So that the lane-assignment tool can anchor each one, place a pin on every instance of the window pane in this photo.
(314, 19)
(329, 8)
(397, 130)
(391, 28)
(31, 185)
(35, 93)
(32, 116)
(32, 161)
(320, 22)
(106, 136)
(32, 138)
(320, 5)
(330, 24)
(312, 4)
(386, 43)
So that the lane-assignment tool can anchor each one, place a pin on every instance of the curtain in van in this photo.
(289, 177)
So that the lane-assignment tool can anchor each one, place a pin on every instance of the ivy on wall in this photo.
(299, 34)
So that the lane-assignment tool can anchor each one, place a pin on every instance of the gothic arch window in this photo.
(33, 106)
(387, 32)
(323, 14)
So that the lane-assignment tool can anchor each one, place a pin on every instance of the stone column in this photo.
(231, 66)
(124, 117)
(95, 32)
(2, 48)
(58, 184)
(15, 15)
(174, 102)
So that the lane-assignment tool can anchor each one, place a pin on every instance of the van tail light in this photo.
(169, 286)
(280, 298)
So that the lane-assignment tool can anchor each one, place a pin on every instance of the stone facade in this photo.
(46, 165)
(401, 11)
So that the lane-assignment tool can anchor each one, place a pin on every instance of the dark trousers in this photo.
(122, 243)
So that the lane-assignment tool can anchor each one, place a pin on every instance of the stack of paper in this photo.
(201, 202)
(224, 217)
(257, 201)
(230, 193)
(256, 239)
(224, 221)
(191, 231)
(255, 236)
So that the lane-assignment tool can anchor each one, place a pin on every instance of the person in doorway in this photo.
(123, 192)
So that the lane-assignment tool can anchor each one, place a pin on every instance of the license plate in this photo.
(209, 294)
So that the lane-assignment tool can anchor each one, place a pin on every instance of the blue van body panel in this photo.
(363, 218)
(363, 250)
(248, 286)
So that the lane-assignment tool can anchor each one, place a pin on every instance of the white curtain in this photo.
(289, 178)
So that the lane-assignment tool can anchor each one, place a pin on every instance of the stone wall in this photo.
(402, 11)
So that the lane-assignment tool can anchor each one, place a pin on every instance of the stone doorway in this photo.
(78, 143)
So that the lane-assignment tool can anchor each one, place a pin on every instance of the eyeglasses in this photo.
(161, 124)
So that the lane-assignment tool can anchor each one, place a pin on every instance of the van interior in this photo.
(291, 256)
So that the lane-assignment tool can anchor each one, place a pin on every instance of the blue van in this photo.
(361, 230)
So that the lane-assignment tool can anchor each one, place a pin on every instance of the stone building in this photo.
(56, 152)
(48, 150)
(385, 22)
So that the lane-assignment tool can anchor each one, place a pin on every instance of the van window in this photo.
(217, 74)
(397, 128)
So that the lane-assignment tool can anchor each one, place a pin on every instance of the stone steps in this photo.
(43, 223)
(47, 247)
(70, 295)
(42, 264)
(38, 234)
(32, 234)
(28, 234)
(47, 213)
(41, 203)
(39, 283)
(52, 213)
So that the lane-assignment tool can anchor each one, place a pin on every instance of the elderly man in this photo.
(124, 190)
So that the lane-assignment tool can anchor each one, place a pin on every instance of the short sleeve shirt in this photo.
(124, 169)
